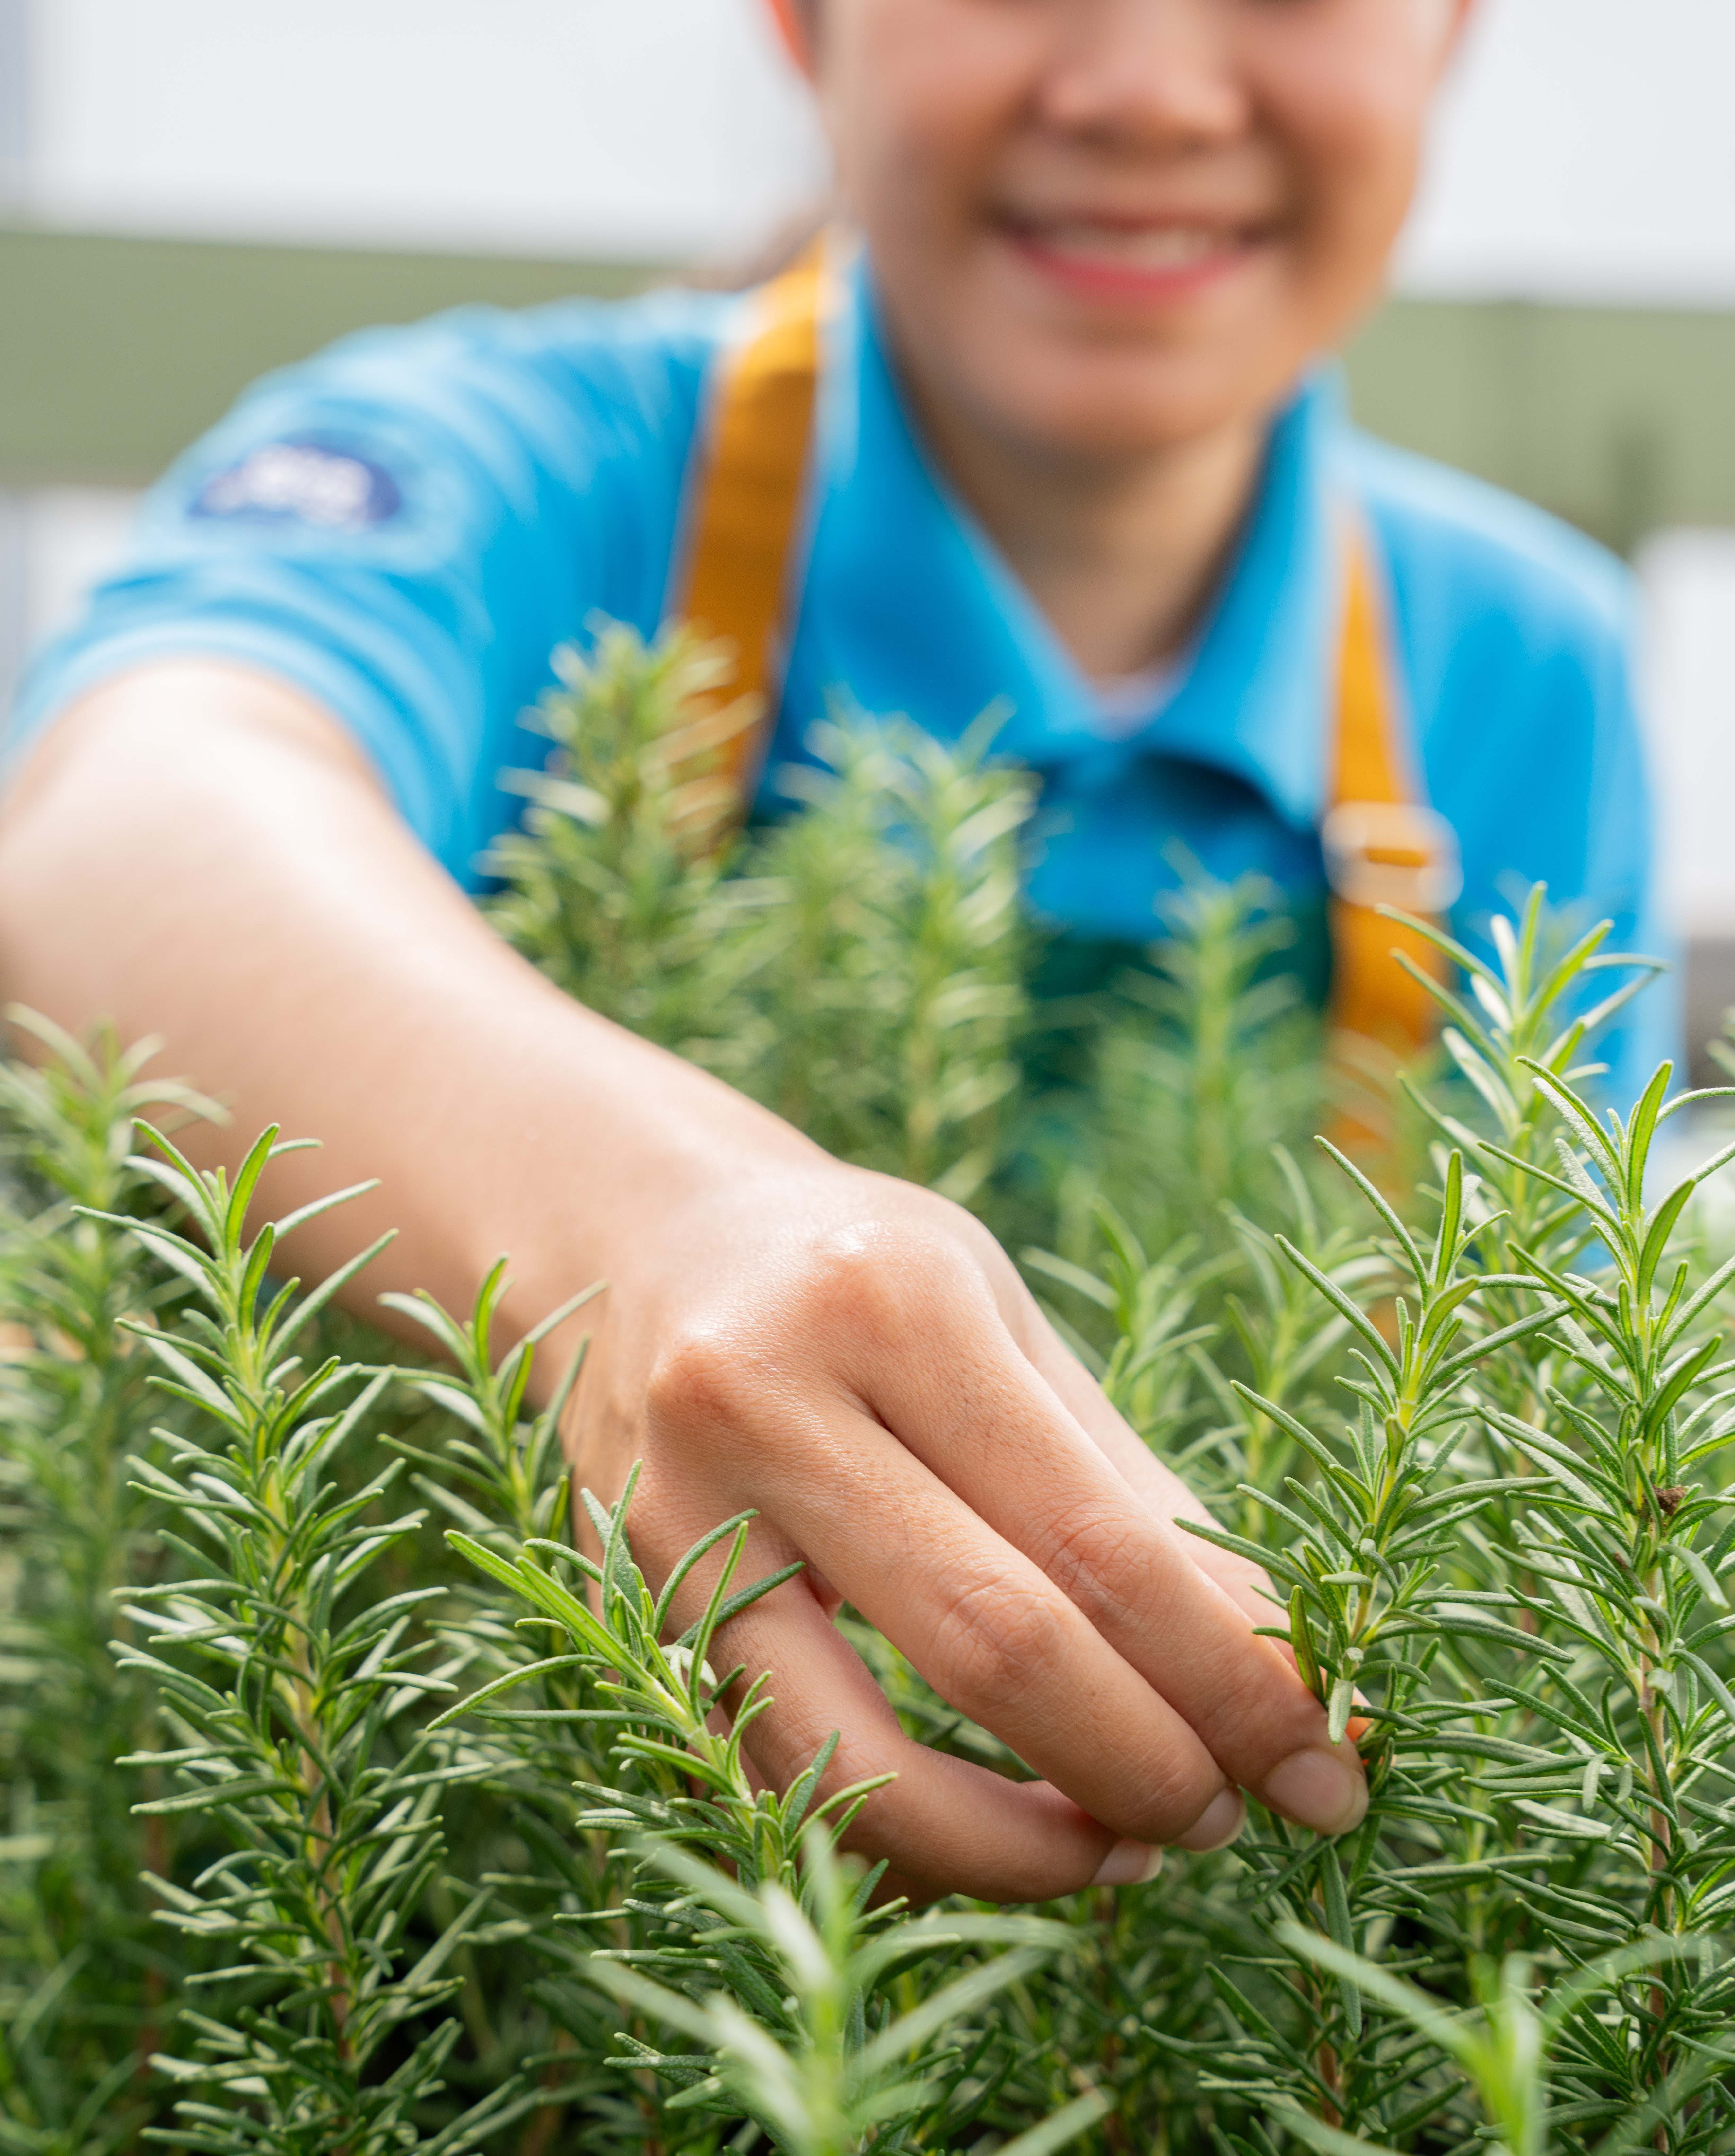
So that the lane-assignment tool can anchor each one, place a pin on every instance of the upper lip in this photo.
(1232, 223)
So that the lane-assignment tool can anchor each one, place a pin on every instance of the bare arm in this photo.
(201, 853)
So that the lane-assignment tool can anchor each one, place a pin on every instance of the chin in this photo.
(1130, 409)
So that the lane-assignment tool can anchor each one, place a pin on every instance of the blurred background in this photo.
(192, 191)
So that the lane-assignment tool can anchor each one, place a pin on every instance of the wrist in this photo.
(608, 1143)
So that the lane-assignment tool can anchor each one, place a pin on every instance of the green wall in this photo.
(115, 352)
(1621, 419)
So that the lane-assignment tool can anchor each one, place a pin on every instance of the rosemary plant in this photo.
(450, 1839)
(1486, 1595)
(776, 1966)
(1371, 1606)
(857, 967)
(1504, 2048)
(612, 885)
(283, 1677)
(827, 2077)
(1205, 1062)
(83, 1982)
(1622, 1544)
(780, 1956)
(892, 975)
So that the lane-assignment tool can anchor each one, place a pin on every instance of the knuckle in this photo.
(700, 1380)
(1093, 1556)
(1178, 1793)
(994, 1640)
(1247, 1704)
(869, 1278)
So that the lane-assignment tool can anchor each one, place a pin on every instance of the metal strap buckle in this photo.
(1392, 853)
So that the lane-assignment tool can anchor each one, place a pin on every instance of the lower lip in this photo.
(1121, 282)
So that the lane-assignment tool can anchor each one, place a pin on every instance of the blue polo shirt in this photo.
(407, 527)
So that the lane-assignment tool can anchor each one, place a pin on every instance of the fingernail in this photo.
(1319, 1789)
(1129, 1864)
(1217, 1825)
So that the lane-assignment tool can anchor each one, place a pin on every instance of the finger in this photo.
(1151, 1478)
(1249, 1584)
(994, 1637)
(975, 1409)
(1086, 1401)
(944, 1825)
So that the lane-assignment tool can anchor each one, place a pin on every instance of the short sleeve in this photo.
(406, 528)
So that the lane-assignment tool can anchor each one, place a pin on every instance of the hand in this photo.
(858, 1360)
(849, 1355)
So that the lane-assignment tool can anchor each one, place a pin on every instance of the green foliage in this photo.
(452, 1839)
(1203, 1064)
(857, 967)
(284, 1674)
(612, 886)
(781, 1963)
(1503, 2047)
(816, 2069)
(83, 1983)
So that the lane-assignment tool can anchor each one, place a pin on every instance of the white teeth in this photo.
(1136, 247)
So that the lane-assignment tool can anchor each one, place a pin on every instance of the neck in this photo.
(1123, 557)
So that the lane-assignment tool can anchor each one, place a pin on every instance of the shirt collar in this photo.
(912, 607)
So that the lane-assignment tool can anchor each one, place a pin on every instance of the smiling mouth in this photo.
(1133, 256)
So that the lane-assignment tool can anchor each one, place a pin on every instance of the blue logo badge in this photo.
(304, 481)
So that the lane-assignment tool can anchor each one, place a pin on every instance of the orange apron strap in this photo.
(1382, 846)
(752, 489)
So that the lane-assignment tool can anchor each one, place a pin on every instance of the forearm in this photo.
(199, 854)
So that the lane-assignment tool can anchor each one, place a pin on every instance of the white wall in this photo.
(1584, 150)
(55, 542)
(1689, 580)
(611, 127)
(73, 535)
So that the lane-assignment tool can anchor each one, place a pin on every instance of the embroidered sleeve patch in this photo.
(306, 481)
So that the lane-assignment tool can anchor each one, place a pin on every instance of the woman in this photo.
(1049, 428)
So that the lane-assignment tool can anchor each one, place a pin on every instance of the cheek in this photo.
(1353, 116)
(916, 95)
